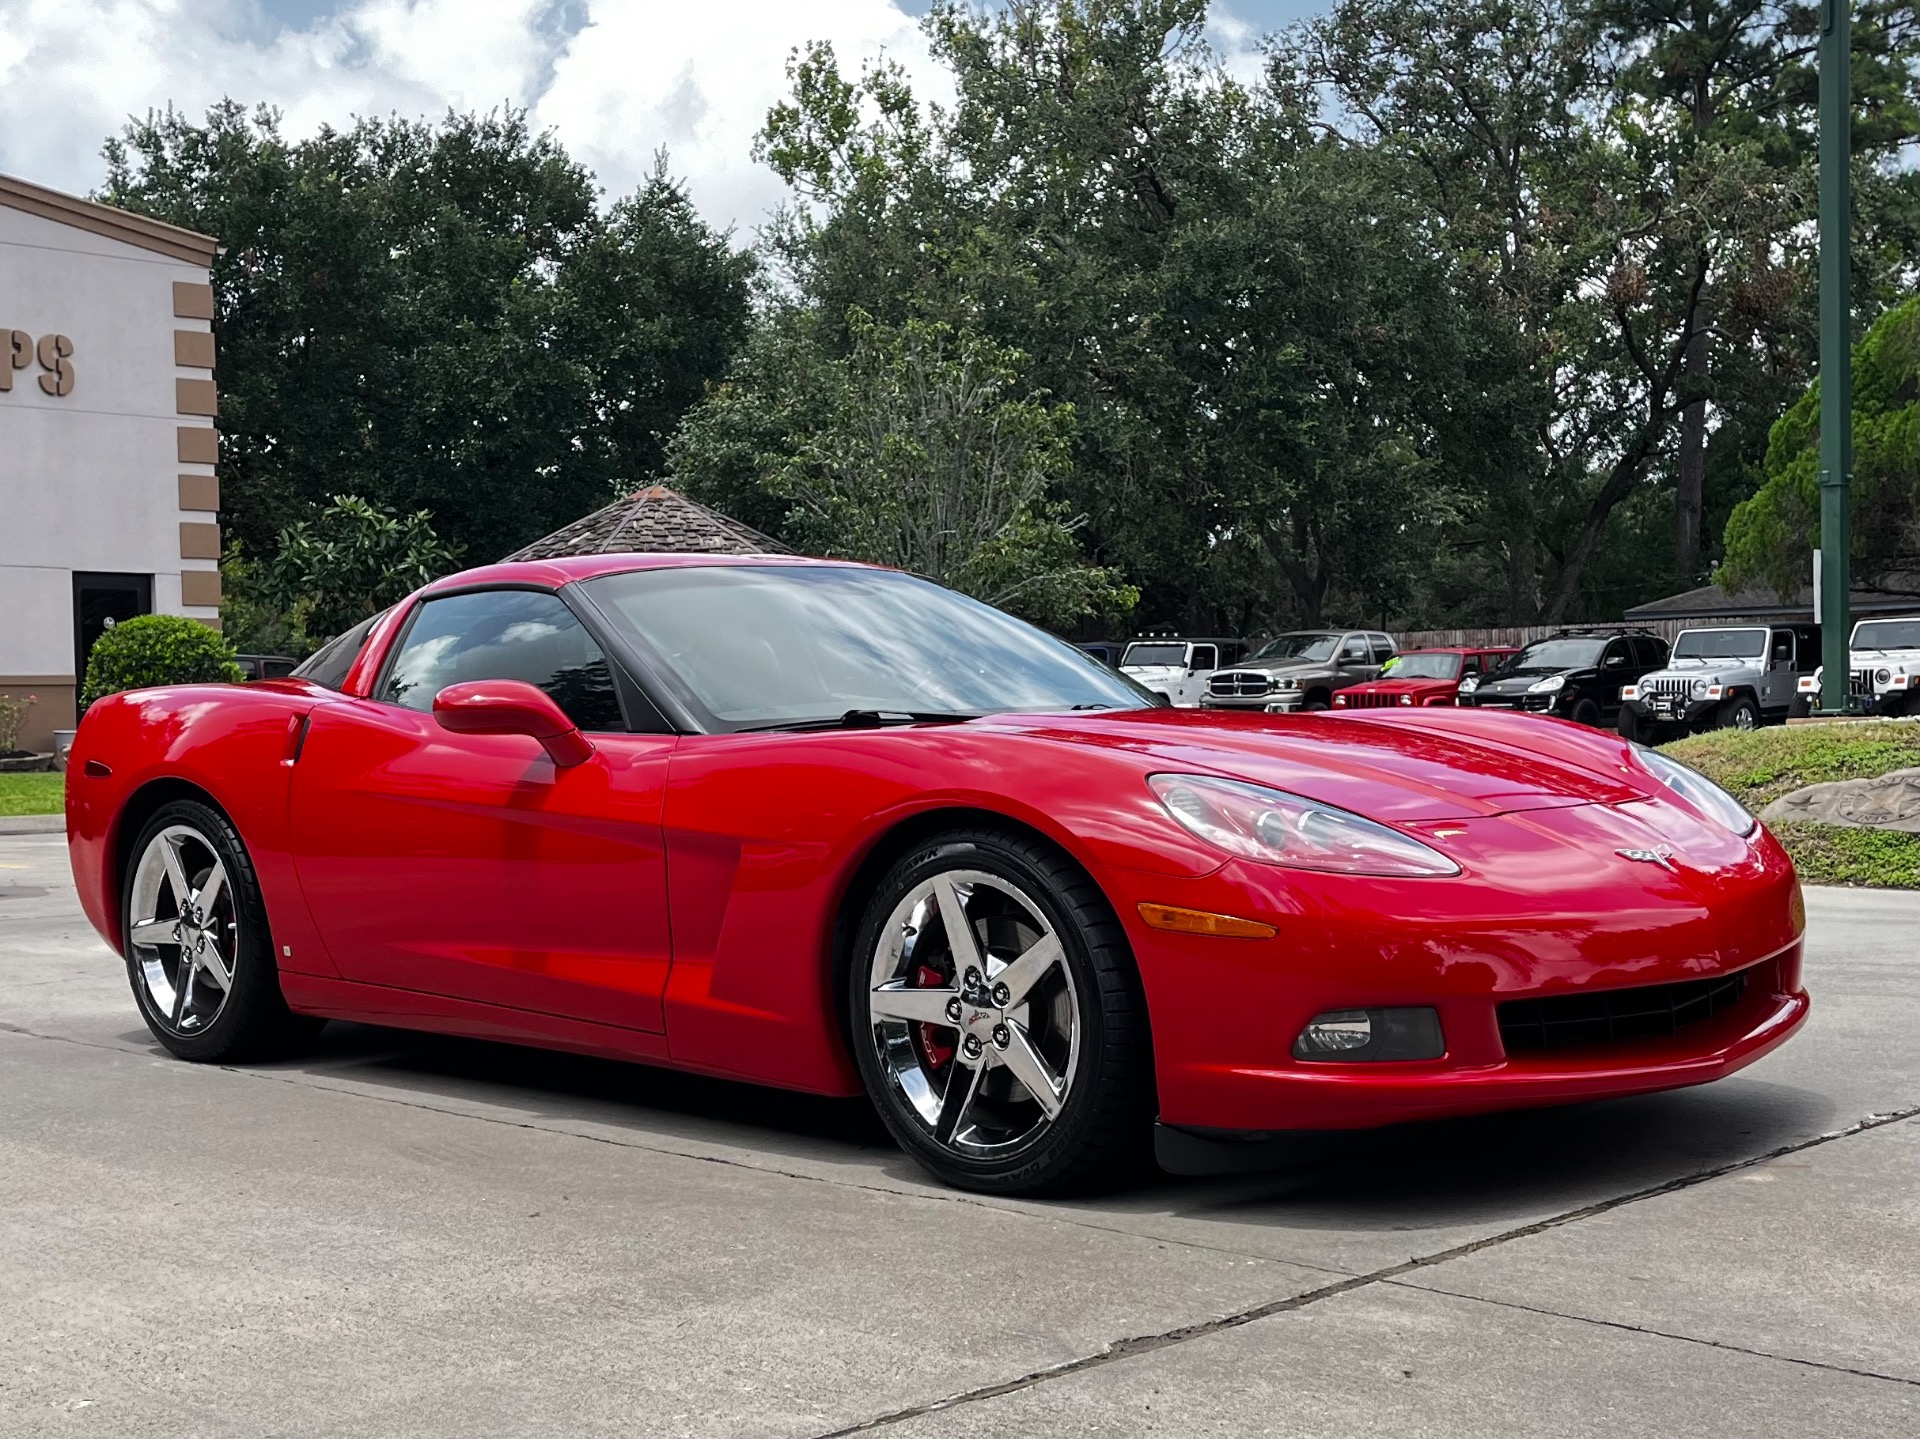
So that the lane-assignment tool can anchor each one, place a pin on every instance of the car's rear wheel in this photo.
(1740, 712)
(997, 1018)
(199, 955)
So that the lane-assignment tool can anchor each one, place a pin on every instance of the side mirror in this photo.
(512, 707)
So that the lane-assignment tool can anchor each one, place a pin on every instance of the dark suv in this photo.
(1574, 673)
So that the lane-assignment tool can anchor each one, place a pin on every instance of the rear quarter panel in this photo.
(233, 743)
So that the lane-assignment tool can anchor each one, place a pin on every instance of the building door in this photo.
(100, 601)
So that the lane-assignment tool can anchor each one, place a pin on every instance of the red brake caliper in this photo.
(936, 1041)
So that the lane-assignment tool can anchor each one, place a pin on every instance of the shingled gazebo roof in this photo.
(655, 520)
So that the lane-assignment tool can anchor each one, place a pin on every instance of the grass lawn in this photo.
(33, 793)
(1759, 766)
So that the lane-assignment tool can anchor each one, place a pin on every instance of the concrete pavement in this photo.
(401, 1234)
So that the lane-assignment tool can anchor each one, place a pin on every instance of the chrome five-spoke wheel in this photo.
(199, 955)
(183, 930)
(974, 1013)
(997, 1018)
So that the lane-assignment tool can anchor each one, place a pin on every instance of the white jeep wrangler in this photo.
(1883, 667)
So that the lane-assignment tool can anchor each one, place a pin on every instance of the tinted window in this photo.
(1155, 655)
(1619, 654)
(1205, 657)
(329, 664)
(1355, 649)
(1720, 644)
(1298, 647)
(1382, 649)
(1548, 656)
(756, 645)
(504, 635)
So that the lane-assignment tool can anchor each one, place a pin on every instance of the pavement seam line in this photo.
(1654, 1333)
(958, 1199)
(1150, 1343)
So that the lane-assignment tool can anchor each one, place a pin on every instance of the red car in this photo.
(835, 828)
(1423, 677)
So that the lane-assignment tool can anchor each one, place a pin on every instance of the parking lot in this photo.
(406, 1235)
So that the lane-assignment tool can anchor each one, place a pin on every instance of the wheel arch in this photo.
(140, 806)
(880, 856)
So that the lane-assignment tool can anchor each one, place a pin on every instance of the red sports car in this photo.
(1423, 677)
(836, 828)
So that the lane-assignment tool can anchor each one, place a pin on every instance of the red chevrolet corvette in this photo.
(836, 828)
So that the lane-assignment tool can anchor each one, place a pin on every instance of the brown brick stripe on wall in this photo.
(199, 445)
(200, 587)
(196, 397)
(199, 492)
(199, 541)
(191, 301)
(193, 349)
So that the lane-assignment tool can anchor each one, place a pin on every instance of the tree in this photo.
(331, 570)
(1771, 536)
(436, 317)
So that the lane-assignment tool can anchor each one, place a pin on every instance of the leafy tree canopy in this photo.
(436, 317)
(1771, 536)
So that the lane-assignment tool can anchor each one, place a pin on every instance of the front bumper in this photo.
(1529, 704)
(1686, 711)
(1557, 912)
(1273, 702)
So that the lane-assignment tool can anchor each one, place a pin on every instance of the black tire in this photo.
(1740, 712)
(1629, 726)
(1913, 703)
(1318, 700)
(253, 1021)
(1586, 712)
(1102, 1134)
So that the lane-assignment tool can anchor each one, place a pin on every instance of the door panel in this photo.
(468, 865)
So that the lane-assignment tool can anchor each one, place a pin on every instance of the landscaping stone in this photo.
(1891, 801)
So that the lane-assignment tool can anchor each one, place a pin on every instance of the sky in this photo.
(616, 80)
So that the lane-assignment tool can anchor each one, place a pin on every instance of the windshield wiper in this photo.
(865, 719)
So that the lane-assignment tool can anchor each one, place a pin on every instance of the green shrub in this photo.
(156, 650)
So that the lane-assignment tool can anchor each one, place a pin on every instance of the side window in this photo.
(1653, 650)
(1205, 657)
(1618, 655)
(1382, 649)
(1470, 665)
(504, 635)
(1355, 649)
(330, 664)
(1782, 649)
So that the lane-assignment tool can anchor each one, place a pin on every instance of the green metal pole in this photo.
(1836, 349)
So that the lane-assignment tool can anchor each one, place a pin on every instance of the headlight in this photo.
(1268, 825)
(1880, 677)
(1547, 686)
(1700, 687)
(1697, 790)
(1289, 684)
(1469, 685)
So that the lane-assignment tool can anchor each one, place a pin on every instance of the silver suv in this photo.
(1736, 677)
(1883, 667)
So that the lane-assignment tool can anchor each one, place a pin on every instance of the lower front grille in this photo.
(1678, 688)
(1568, 1021)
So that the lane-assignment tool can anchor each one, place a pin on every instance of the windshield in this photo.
(1155, 655)
(1887, 635)
(1552, 656)
(1720, 644)
(754, 645)
(1298, 647)
(1424, 667)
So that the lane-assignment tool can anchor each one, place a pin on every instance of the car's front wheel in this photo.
(1740, 712)
(198, 951)
(1586, 712)
(998, 1020)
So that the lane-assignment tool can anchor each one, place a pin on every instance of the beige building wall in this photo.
(107, 440)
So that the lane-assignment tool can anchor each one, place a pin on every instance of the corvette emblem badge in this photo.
(1659, 855)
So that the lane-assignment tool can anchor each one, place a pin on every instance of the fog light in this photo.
(1347, 1035)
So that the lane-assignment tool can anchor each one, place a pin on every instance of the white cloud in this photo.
(636, 76)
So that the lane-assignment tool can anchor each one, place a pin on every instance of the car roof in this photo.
(569, 568)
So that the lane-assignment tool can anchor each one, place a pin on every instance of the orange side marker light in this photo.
(1199, 921)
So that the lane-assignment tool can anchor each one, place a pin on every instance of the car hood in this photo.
(1406, 771)
(1280, 667)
